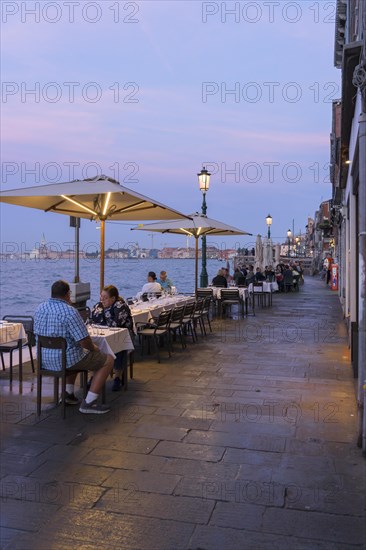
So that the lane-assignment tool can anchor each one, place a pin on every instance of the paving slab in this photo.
(245, 440)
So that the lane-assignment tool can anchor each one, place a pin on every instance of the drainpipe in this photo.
(359, 80)
(362, 274)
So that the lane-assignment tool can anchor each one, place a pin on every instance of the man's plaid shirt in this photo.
(57, 318)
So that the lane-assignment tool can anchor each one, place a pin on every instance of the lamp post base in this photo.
(203, 278)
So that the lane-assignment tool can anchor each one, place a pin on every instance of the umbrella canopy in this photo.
(195, 225)
(99, 198)
(267, 252)
(278, 253)
(258, 252)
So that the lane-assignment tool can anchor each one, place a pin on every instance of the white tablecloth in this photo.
(267, 287)
(243, 292)
(110, 340)
(10, 333)
(142, 313)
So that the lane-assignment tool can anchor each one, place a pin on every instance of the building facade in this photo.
(348, 178)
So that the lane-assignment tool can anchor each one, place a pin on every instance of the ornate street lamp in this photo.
(204, 183)
(269, 223)
(289, 233)
(297, 240)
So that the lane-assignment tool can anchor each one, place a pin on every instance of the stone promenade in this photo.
(246, 440)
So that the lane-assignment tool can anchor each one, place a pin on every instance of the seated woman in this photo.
(112, 311)
(220, 279)
(151, 285)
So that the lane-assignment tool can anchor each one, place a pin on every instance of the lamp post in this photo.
(269, 223)
(288, 241)
(204, 183)
(297, 240)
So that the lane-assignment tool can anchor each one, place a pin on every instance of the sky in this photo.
(150, 92)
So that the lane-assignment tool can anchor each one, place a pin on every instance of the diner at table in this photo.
(56, 317)
(164, 281)
(113, 311)
(152, 285)
(220, 279)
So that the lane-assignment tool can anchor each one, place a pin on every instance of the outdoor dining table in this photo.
(13, 335)
(267, 287)
(243, 293)
(111, 340)
(145, 311)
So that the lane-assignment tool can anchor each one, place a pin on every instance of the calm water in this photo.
(24, 284)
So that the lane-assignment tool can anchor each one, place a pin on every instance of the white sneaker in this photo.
(93, 408)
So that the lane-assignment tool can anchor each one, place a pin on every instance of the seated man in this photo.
(151, 285)
(165, 283)
(288, 279)
(250, 278)
(259, 275)
(57, 318)
(239, 277)
(220, 279)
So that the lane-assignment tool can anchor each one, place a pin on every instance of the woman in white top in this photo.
(151, 285)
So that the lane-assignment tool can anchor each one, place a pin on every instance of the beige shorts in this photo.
(93, 361)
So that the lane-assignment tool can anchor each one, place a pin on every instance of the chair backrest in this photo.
(189, 309)
(51, 342)
(203, 292)
(258, 285)
(177, 314)
(28, 324)
(198, 306)
(206, 303)
(164, 319)
(230, 294)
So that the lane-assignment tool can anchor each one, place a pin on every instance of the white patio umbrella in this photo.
(99, 198)
(258, 252)
(267, 252)
(195, 225)
(277, 253)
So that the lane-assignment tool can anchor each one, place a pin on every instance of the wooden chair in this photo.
(187, 322)
(206, 310)
(197, 317)
(229, 297)
(156, 331)
(203, 292)
(55, 343)
(259, 293)
(176, 323)
(28, 323)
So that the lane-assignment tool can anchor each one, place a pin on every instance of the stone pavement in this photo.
(246, 440)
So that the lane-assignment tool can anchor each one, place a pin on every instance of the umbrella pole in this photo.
(102, 248)
(196, 269)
